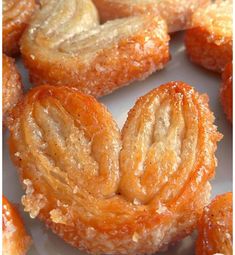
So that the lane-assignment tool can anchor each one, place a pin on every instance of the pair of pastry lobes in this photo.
(209, 42)
(15, 240)
(16, 16)
(215, 229)
(227, 91)
(66, 45)
(177, 13)
(11, 86)
(111, 192)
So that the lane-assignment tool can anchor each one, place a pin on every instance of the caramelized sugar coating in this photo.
(215, 234)
(15, 240)
(111, 192)
(16, 16)
(209, 43)
(57, 49)
(177, 13)
(11, 86)
(227, 91)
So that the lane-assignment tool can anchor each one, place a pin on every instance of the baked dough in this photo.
(227, 91)
(107, 192)
(11, 86)
(177, 13)
(209, 43)
(16, 16)
(15, 240)
(216, 228)
(65, 45)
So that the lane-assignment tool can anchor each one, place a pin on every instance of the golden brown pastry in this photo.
(177, 13)
(107, 192)
(15, 240)
(215, 229)
(227, 91)
(209, 43)
(11, 86)
(65, 45)
(16, 16)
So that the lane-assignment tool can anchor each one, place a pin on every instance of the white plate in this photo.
(119, 103)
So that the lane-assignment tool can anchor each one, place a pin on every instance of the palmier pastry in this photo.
(215, 234)
(15, 240)
(177, 13)
(227, 91)
(16, 16)
(11, 86)
(209, 43)
(111, 193)
(65, 45)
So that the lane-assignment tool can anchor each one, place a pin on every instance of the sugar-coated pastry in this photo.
(209, 43)
(111, 192)
(16, 16)
(65, 45)
(177, 13)
(11, 86)
(215, 229)
(15, 240)
(227, 91)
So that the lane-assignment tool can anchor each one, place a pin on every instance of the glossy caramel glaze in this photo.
(16, 16)
(111, 192)
(216, 228)
(209, 43)
(15, 240)
(65, 45)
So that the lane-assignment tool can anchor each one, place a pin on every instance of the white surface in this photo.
(119, 103)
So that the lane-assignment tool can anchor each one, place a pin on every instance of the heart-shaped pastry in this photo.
(65, 45)
(107, 192)
(16, 16)
(177, 13)
(215, 228)
(210, 42)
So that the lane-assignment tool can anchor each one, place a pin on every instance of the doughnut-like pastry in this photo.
(16, 16)
(65, 45)
(11, 86)
(209, 42)
(15, 240)
(177, 13)
(107, 192)
(227, 91)
(215, 228)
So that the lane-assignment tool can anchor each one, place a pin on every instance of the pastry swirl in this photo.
(107, 192)
(65, 45)
(209, 42)
(215, 228)
(177, 13)
(14, 237)
(16, 16)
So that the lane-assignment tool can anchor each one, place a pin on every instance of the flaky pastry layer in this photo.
(177, 13)
(111, 192)
(11, 86)
(65, 45)
(226, 91)
(16, 16)
(216, 228)
(209, 43)
(15, 240)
